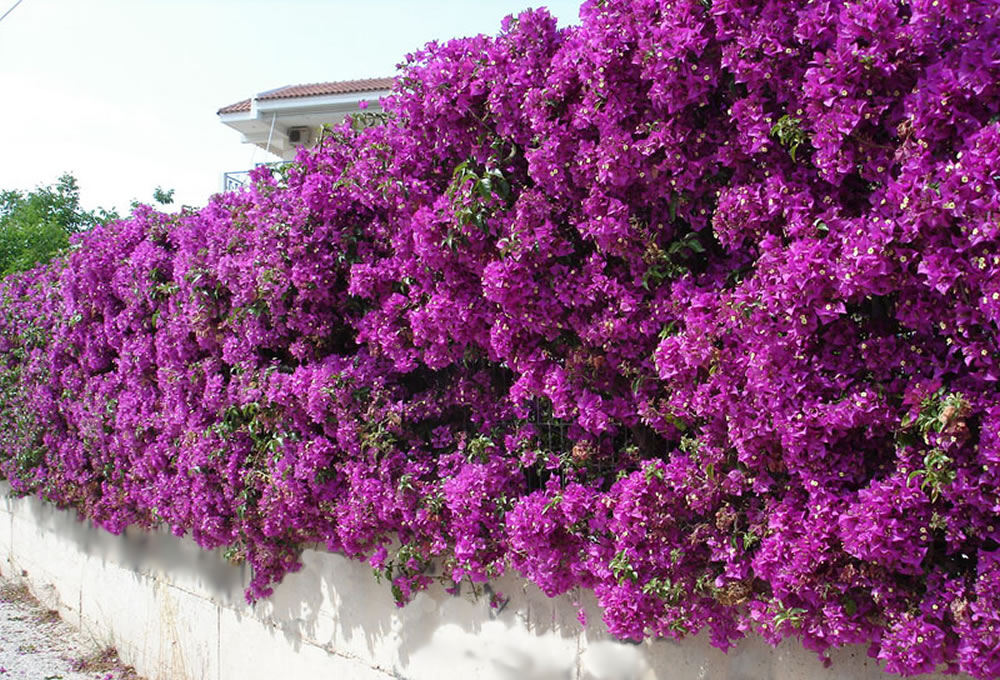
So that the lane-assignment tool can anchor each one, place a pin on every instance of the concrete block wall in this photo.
(176, 612)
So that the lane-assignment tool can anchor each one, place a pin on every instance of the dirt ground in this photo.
(36, 644)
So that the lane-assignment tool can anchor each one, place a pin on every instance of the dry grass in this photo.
(106, 661)
(47, 617)
(17, 593)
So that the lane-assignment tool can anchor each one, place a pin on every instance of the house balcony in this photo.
(234, 181)
(238, 179)
(281, 121)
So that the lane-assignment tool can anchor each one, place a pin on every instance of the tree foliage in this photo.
(36, 225)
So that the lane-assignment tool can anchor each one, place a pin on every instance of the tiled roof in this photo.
(238, 107)
(314, 90)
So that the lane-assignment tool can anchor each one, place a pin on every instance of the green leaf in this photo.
(623, 569)
(789, 133)
(693, 242)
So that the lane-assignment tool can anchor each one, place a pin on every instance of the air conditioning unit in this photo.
(299, 135)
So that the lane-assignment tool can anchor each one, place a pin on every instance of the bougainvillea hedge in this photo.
(694, 304)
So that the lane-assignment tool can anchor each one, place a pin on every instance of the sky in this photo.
(123, 94)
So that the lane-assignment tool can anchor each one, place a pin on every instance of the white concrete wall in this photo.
(176, 612)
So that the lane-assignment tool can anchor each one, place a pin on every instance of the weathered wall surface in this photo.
(176, 612)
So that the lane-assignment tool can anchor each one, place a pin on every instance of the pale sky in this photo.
(123, 93)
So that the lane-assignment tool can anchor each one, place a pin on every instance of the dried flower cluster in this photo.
(694, 304)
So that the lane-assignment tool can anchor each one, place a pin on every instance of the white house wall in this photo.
(255, 125)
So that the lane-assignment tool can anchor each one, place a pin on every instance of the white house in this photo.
(281, 120)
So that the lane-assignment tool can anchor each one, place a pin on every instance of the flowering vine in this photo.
(693, 304)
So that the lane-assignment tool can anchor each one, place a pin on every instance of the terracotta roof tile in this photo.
(319, 89)
(238, 107)
(314, 90)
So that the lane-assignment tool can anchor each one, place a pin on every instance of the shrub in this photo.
(694, 304)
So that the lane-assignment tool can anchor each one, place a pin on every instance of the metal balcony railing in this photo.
(236, 180)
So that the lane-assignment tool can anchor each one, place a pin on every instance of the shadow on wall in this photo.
(335, 605)
(156, 554)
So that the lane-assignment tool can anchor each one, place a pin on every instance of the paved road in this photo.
(35, 644)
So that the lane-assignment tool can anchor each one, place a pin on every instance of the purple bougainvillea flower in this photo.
(694, 304)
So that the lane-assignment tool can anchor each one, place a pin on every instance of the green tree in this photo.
(36, 225)
(163, 196)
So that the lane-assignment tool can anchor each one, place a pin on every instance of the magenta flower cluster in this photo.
(695, 304)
